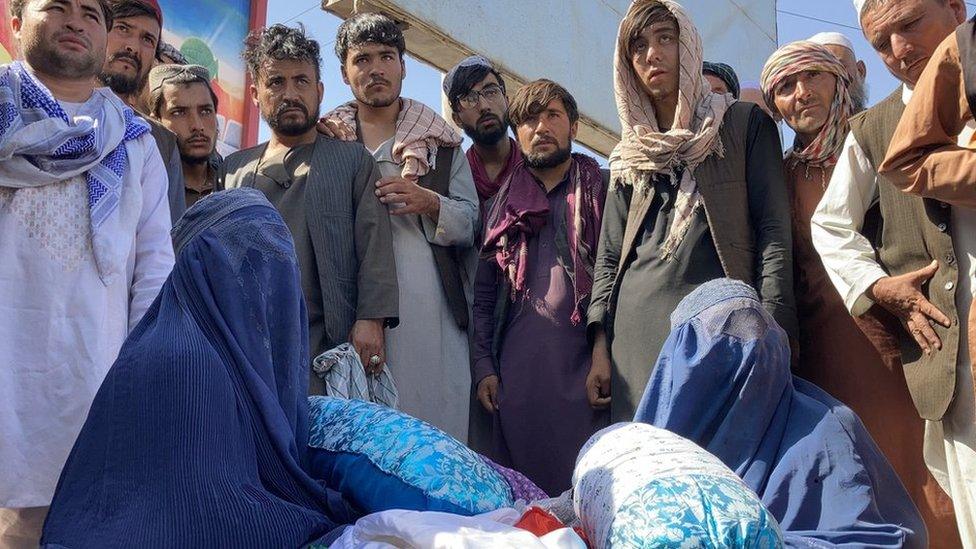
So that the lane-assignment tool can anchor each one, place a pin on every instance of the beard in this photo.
(121, 83)
(487, 138)
(547, 161)
(859, 94)
(40, 53)
(287, 127)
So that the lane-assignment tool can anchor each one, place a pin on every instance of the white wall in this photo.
(569, 41)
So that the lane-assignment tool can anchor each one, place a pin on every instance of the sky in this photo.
(796, 19)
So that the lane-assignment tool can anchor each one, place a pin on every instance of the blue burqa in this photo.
(198, 434)
(723, 380)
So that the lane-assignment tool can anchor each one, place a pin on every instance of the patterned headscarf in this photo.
(724, 72)
(644, 150)
(803, 56)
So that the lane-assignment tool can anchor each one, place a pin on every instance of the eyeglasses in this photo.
(491, 94)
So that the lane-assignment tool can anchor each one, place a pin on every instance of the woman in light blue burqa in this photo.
(197, 437)
(723, 380)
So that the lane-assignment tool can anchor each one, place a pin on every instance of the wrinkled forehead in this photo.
(886, 16)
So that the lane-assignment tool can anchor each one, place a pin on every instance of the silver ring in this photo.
(374, 360)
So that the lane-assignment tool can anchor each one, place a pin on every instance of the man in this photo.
(531, 352)
(84, 245)
(324, 191)
(181, 99)
(883, 247)
(843, 49)
(132, 44)
(427, 183)
(479, 106)
(856, 360)
(721, 78)
(679, 212)
(930, 155)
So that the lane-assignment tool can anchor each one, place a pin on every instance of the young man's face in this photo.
(654, 58)
(375, 73)
(188, 111)
(546, 138)
(288, 93)
(64, 38)
(804, 99)
(130, 53)
(483, 112)
(905, 33)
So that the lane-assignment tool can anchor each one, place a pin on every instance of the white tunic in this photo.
(61, 327)
(427, 352)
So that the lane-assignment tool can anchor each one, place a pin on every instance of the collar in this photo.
(906, 93)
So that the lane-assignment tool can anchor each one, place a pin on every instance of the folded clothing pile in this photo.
(639, 486)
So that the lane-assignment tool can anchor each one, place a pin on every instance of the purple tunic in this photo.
(544, 417)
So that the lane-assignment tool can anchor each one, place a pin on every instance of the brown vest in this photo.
(909, 233)
(724, 194)
(446, 258)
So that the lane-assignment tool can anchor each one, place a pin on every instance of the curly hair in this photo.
(280, 42)
(365, 28)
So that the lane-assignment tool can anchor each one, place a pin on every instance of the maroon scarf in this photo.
(486, 187)
(521, 209)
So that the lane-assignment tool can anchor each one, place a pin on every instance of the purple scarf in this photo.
(521, 209)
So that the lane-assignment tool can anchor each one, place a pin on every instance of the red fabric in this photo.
(154, 5)
(541, 522)
(486, 187)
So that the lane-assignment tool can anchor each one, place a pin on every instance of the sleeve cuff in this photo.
(858, 302)
(483, 367)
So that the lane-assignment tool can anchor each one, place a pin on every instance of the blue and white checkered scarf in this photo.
(40, 145)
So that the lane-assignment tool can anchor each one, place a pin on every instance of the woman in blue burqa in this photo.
(723, 380)
(197, 437)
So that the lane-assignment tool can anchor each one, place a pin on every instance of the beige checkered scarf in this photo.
(419, 131)
(644, 150)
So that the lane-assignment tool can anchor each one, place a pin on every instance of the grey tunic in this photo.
(427, 353)
(651, 288)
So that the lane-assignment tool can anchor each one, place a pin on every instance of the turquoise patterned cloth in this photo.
(694, 511)
(382, 459)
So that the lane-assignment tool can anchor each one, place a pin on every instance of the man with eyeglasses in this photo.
(479, 105)
(181, 99)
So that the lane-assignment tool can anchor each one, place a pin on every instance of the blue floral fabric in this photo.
(383, 459)
(700, 511)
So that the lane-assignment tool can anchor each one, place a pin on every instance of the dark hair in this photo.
(17, 10)
(532, 98)
(467, 78)
(277, 43)
(638, 18)
(124, 9)
(182, 79)
(368, 27)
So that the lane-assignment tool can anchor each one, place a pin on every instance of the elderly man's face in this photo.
(62, 38)
(188, 111)
(131, 51)
(905, 33)
(717, 84)
(483, 113)
(804, 99)
(654, 58)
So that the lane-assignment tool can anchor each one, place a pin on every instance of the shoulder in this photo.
(243, 156)
(343, 155)
(882, 109)
(744, 118)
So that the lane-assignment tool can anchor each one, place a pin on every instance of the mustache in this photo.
(130, 57)
(378, 81)
(544, 141)
(285, 105)
(488, 117)
(73, 34)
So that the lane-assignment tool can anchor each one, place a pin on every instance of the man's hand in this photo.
(902, 296)
(366, 337)
(336, 129)
(416, 200)
(488, 393)
(598, 380)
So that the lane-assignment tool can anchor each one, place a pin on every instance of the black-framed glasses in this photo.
(492, 93)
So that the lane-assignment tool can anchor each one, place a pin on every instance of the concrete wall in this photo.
(569, 41)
